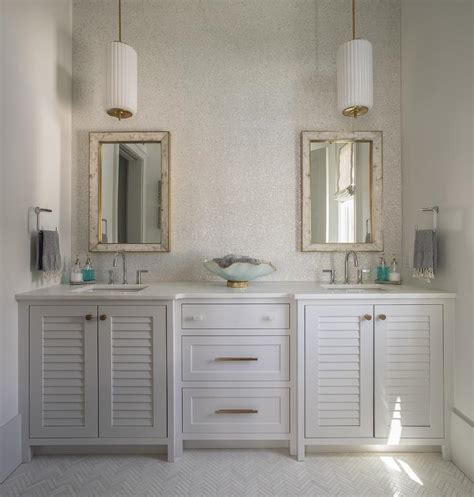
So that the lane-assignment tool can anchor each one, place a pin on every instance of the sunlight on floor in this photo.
(390, 463)
(409, 471)
(398, 465)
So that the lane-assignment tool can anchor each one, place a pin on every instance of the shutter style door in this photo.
(409, 372)
(339, 371)
(63, 371)
(132, 371)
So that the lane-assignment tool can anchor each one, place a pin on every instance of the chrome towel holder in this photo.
(38, 211)
(435, 211)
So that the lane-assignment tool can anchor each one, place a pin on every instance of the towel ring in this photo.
(38, 211)
(435, 211)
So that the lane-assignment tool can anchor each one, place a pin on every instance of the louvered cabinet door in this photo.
(409, 371)
(132, 371)
(63, 371)
(339, 371)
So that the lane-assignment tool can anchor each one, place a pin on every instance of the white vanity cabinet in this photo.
(97, 374)
(376, 373)
(339, 371)
(63, 371)
(409, 366)
(277, 364)
(132, 371)
(235, 369)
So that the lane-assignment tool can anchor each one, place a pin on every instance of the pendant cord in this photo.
(353, 20)
(120, 19)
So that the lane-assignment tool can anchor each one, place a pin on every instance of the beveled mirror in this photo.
(342, 194)
(129, 191)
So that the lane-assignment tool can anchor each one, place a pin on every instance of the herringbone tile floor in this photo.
(226, 473)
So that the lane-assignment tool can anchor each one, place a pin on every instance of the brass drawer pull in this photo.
(103, 317)
(368, 317)
(236, 411)
(89, 317)
(235, 359)
(383, 317)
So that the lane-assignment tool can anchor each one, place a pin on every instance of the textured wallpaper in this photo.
(235, 82)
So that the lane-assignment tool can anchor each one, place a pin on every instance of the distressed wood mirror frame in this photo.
(376, 187)
(96, 139)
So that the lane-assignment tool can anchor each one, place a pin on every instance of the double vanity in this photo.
(292, 364)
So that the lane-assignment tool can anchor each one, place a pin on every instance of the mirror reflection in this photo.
(340, 191)
(130, 203)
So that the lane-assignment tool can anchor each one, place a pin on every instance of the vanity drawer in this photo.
(235, 316)
(235, 358)
(236, 410)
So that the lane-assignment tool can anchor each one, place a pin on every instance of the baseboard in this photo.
(99, 449)
(156, 449)
(328, 449)
(462, 443)
(10, 446)
(236, 444)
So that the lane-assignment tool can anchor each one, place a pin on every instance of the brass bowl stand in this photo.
(237, 284)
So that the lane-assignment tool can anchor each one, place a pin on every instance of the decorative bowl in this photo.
(238, 270)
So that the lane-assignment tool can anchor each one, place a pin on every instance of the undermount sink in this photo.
(114, 289)
(361, 287)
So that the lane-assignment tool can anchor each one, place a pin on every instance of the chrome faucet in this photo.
(124, 260)
(346, 266)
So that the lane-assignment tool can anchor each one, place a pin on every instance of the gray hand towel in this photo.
(425, 260)
(48, 255)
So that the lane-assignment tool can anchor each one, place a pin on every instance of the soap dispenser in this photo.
(382, 270)
(88, 273)
(394, 275)
(76, 273)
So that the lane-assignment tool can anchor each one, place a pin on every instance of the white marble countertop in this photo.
(299, 290)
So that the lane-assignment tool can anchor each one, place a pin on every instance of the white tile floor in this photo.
(226, 473)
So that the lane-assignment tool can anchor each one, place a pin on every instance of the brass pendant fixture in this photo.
(354, 75)
(121, 76)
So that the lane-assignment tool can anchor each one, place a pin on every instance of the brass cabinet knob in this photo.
(103, 317)
(89, 317)
(383, 317)
(368, 317)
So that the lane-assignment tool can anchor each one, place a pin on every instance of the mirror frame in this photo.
(376, 172)
(96, 139)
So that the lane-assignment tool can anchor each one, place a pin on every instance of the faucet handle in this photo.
(332, 273)
(139, 275)
(360, 275)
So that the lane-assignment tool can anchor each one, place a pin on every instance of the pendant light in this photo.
(121, 76)
(354, 75)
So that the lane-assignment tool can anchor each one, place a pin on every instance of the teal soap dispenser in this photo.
(382, 270)
(88, 273)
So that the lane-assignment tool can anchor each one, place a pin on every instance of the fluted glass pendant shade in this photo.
(121, 80)
(355, 93)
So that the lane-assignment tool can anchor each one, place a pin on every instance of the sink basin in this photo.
(350, 286)
(114, 289)
(359, 288)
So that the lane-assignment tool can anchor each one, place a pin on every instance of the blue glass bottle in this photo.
(382, 270)
(88, 273)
